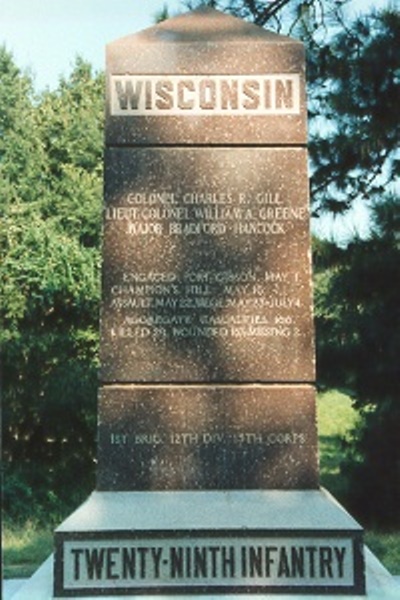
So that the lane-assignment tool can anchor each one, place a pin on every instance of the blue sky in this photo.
(47, 35)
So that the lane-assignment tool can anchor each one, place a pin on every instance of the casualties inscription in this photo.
(223, 562)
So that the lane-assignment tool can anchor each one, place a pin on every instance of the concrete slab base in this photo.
(240, 521)
(380, 586)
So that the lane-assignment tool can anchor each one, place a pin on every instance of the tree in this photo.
(279, 15)
(353, 100)
(357, 296)
(354, 125)
(357, 315)
(50, 202)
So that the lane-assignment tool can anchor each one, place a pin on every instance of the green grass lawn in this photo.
(25, 548)
(336, 418)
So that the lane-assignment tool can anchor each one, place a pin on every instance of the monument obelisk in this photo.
(207, 337)
(207, 463)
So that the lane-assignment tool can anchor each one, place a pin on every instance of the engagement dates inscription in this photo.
(198, 297)
(195, 254)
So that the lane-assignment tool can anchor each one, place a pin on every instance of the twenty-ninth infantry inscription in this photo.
(207, 267)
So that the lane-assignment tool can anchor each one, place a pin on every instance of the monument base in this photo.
(228, 544)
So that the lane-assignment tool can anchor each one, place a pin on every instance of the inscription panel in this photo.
(203, 437)
(164, 95)
(207, 562)
(206, 266)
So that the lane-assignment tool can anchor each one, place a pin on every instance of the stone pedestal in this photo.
(243, 543)
(209, 543)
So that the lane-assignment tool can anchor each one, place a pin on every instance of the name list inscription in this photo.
(163, 213)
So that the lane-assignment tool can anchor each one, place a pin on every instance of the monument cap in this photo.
(210, 85)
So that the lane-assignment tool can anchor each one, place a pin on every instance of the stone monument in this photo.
(207, 361)
(207, 452)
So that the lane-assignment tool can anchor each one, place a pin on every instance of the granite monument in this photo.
(207, 455)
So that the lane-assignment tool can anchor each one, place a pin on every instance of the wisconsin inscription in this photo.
(214, 94)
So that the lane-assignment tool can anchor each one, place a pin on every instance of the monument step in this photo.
(248, 509)
(214, 542)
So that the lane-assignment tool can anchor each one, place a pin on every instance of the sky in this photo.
(47, 35)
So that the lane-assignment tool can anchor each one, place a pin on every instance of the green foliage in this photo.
(356, 307)
(386, 546)
(354, 96)
(50, 205)
(162, 14)
(337, 416)
(276, 14)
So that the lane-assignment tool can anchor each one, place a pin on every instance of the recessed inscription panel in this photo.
(203, 437)
(206, 266)
(205, 95)
(226, 561)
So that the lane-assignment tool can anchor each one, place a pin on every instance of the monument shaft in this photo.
(207, 358)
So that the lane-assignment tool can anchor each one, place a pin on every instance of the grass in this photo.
(25, 548)
(336, 418)
(386, 546)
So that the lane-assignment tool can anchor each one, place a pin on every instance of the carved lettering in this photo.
(132, 562)
(135, 95)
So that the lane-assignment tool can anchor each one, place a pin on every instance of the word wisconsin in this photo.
(195, 95)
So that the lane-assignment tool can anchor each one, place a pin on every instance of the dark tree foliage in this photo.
(356, 87)
(279, 15)
(354, 100)
(358, 333)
